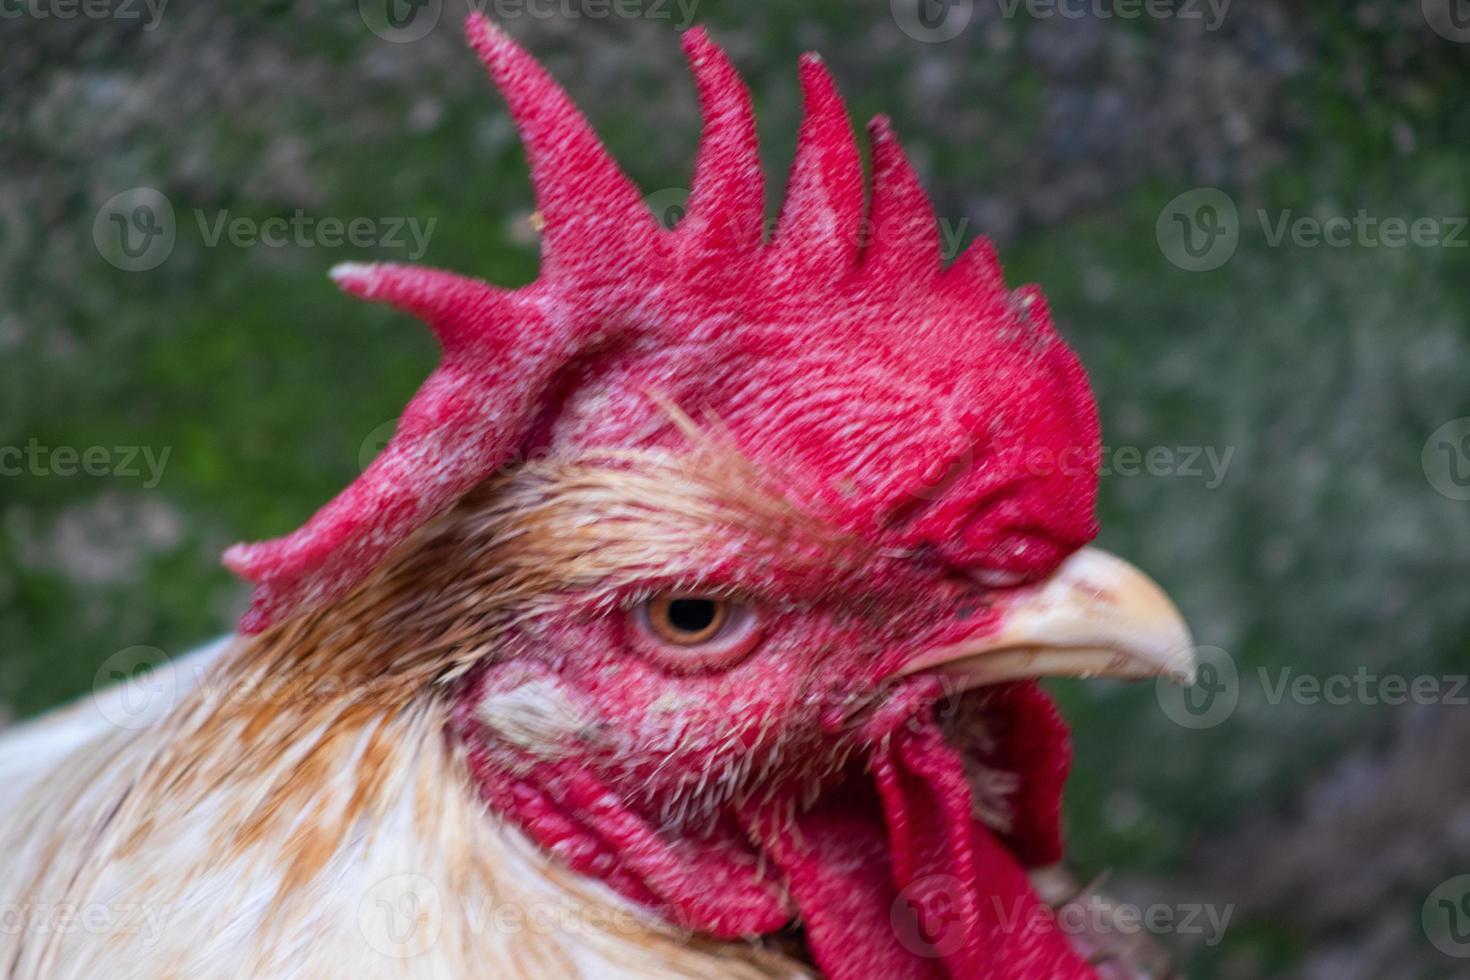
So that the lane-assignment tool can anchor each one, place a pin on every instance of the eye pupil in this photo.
(692, 615)
(686, 620)
(689, 629)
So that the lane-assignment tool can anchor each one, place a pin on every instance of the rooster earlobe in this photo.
(727, 201)
(595, 222)
(818, 231)
(902, 237)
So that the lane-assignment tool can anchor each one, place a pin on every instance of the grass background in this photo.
(1323, 370)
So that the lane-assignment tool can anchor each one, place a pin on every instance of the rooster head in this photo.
(741, 553)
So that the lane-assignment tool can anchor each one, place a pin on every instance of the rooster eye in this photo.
(695, 630)
(686, 620)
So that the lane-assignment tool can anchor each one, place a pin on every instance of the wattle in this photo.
(889, 871)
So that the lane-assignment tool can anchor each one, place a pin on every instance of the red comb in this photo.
(684, 312)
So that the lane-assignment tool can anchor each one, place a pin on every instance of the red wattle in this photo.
(896, 878)
(968, 897)
(889, 872)
(835, 858)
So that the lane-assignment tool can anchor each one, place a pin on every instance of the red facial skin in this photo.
(929, 413)
(678, 778)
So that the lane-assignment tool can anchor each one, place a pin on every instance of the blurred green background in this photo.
(1300, 395)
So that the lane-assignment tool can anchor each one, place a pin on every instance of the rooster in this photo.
(688, 626)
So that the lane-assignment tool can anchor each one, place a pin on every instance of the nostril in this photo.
(995, 556)
(998, 578)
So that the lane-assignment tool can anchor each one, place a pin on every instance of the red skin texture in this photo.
(926, 411)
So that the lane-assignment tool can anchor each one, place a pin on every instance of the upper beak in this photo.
(1096, 616)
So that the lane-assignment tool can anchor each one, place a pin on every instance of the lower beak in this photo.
(1096, 616)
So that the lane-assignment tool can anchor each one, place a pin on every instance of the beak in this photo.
(1096, 616)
